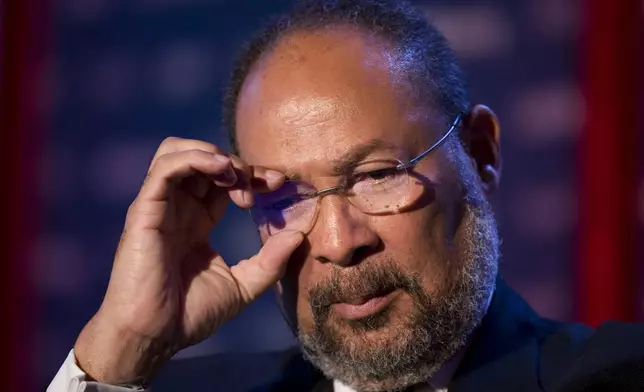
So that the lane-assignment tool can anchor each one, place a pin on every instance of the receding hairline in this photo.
(388, 51)
(416, 46)
(381, 41)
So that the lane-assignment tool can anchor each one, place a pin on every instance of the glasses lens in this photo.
(287, 208)
(382, 190)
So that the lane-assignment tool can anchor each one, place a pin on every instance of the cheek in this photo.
(417, 243)
(407, 237)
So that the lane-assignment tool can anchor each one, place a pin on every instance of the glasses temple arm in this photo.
(435, 145)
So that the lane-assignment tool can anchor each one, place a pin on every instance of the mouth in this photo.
(360, 307)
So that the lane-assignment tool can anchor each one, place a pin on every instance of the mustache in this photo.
(365, 281)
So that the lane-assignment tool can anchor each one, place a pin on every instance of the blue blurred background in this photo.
(124, 75)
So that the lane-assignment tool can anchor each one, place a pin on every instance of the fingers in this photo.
(255, 275)
(243, 194)
(241, 179)
(170, 169)
(265, 180)
(177, 144)
(254, 179)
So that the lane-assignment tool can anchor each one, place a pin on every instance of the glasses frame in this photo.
(342, 188)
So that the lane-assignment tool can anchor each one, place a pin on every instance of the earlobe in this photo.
(483, 135)
(489, 179)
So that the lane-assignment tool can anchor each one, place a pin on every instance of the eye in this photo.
(377, 176)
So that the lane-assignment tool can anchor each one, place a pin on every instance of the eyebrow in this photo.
(351, 158)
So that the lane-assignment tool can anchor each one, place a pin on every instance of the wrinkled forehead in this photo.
(318, 97)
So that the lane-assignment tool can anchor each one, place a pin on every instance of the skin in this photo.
(348, 104)
(169, 289)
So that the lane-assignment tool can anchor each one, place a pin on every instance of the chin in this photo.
(367, 351)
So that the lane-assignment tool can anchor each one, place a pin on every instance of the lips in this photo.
(360, 300)
(363, 306)
(357, 293)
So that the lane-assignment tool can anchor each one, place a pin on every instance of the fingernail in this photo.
(230, 174)
(274, 175)
(247, 197)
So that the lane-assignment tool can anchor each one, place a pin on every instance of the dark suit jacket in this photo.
(513, 350)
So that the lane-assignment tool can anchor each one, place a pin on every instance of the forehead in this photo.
(319, 95)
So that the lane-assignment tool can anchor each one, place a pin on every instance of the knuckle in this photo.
(195, 156)
(196, 153)
(159, 165)
(168, 145)
(178, 144)
(169, 141)
(132, 211)
(133, 207)
(175, 160)
(167, 164)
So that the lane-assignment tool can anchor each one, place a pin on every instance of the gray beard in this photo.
(436, 329)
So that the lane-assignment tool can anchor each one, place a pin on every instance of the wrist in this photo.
(116, 356)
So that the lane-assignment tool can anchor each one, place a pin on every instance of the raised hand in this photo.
(169, 289)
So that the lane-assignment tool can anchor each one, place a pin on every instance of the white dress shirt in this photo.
(437, 384)
(70, 378)
(340, 387)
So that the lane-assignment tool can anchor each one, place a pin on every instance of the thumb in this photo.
(255, 275)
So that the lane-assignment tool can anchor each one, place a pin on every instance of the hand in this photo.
(168, 288)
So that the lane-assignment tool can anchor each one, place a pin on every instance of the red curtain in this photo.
(611, 66)
(25, 35)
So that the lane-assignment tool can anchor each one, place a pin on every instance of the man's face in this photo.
(427, 272)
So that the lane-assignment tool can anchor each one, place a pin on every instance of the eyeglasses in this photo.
(374, 187)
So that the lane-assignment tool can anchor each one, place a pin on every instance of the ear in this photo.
(482, 137)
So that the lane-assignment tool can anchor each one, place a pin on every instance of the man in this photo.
(367, 173)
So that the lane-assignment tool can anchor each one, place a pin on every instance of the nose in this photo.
(342, 234)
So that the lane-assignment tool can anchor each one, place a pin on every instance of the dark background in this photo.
(119, 76)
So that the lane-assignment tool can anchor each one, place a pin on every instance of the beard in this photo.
(412, 346)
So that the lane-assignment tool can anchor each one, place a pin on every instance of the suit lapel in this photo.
(503, 353)
(502, 356)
